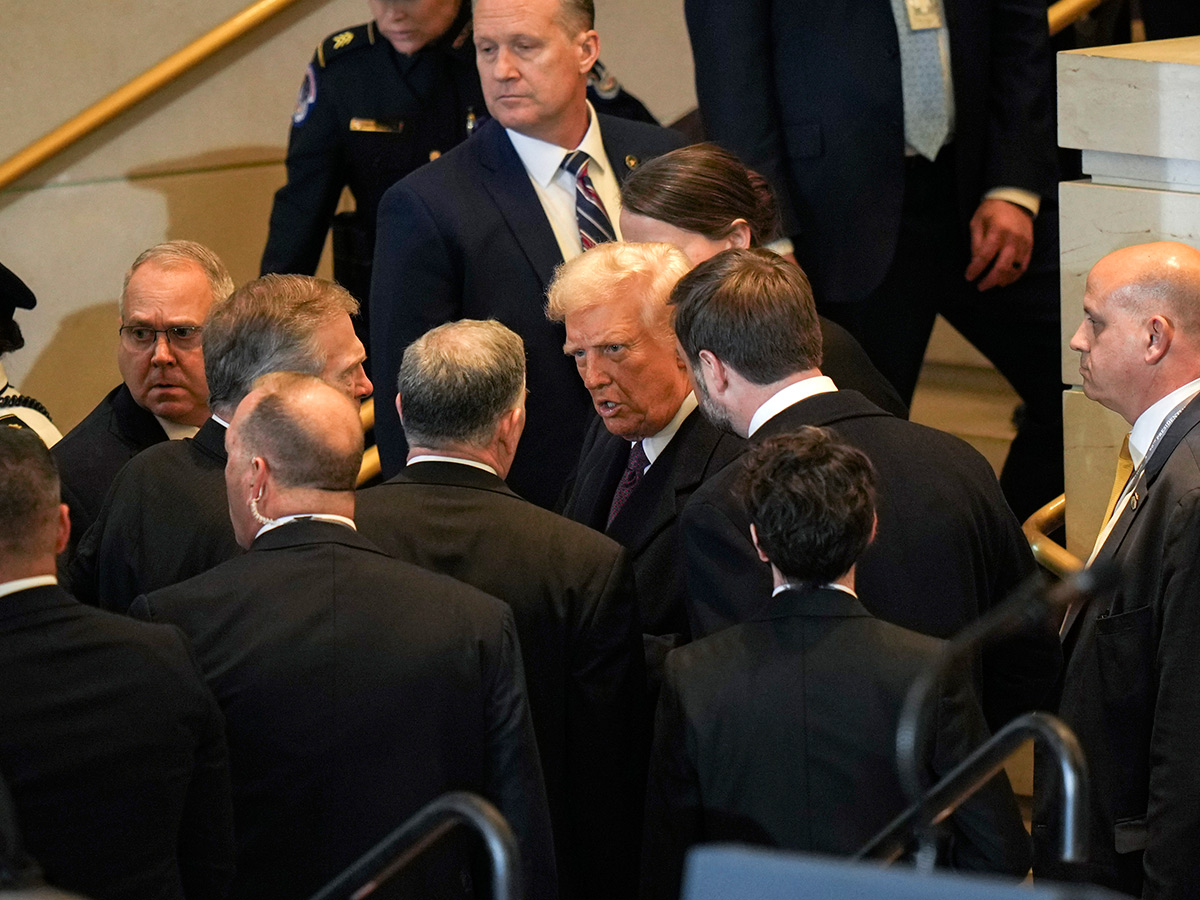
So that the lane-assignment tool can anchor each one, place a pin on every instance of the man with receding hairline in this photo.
(462, 402)
(356, 688)
(164, 518)
(1133, 671)
(477, 233)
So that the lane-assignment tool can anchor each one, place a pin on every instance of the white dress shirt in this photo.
(790, 396)
(555, 187)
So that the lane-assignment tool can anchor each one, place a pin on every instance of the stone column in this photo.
(1134, 111)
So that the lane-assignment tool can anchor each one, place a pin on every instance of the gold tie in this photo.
(1124, 470)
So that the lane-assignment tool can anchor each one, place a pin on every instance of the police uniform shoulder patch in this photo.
(343, 42)
(308, 96)
(603, 82)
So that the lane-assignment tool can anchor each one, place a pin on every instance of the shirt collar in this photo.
(220, 421)
(316, 517)
(1148, 423)
(790, 396)
(832, 586)
(473, 463)
(657, 443)
(176, 430)
(542, 160)
(24, 584)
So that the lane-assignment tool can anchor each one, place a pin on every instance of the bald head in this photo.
(295, 447)
(1140, 335)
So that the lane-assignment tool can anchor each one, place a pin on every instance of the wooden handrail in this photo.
(133, 92)
(1049, 555)
(1060, 15)
(1065, 13)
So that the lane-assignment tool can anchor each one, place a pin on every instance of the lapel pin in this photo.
(631, 161)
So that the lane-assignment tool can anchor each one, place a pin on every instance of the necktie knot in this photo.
(575, 162)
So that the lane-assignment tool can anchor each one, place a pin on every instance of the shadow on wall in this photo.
(84, 345)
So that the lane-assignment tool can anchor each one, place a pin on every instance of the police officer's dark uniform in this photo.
(367, 116)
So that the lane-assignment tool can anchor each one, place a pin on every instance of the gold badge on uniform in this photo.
(374, 125)
(341, 40)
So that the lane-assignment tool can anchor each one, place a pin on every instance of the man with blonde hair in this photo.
(647, 450)
(166, 297)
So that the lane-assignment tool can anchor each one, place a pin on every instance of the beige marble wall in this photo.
(200, 160)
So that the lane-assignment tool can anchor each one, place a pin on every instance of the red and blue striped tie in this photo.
(594, 225)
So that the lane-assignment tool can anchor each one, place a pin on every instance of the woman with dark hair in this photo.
(703, 200)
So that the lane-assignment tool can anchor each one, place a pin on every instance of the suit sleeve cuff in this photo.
(1021, 197)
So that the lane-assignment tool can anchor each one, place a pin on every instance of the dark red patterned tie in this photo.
(633, 473)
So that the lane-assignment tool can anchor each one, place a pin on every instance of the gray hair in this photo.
(173, 254)
(268, 325)
(457, 380)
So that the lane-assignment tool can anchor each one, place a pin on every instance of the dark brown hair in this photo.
(753, 310)
(703, 188)
(812, 501)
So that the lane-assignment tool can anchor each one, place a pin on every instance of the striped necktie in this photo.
(594, 225)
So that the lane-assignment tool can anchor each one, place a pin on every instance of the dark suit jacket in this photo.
(781, 731)
(114, 751)
(817, 108)
(466, 237)
(92, 453)
(356, 688)
(572, 596)
(1131, 686)
(646, 525)
(947, 548)
(165, 519)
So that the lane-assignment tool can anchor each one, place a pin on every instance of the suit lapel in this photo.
(604, 466)
(652, 506)
(505, 179)
(621, 155)
(1144, 486)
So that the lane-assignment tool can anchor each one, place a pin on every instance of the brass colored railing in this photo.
(141, 87)
(370, 463)
(1065, 13)
(1049, 555)
(1061, 15)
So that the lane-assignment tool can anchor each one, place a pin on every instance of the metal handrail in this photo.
(370, 462)
(422, 831)
(1065, 13)
(1052, 557)
(1030, 605)
(941, 800)
(133, 92)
